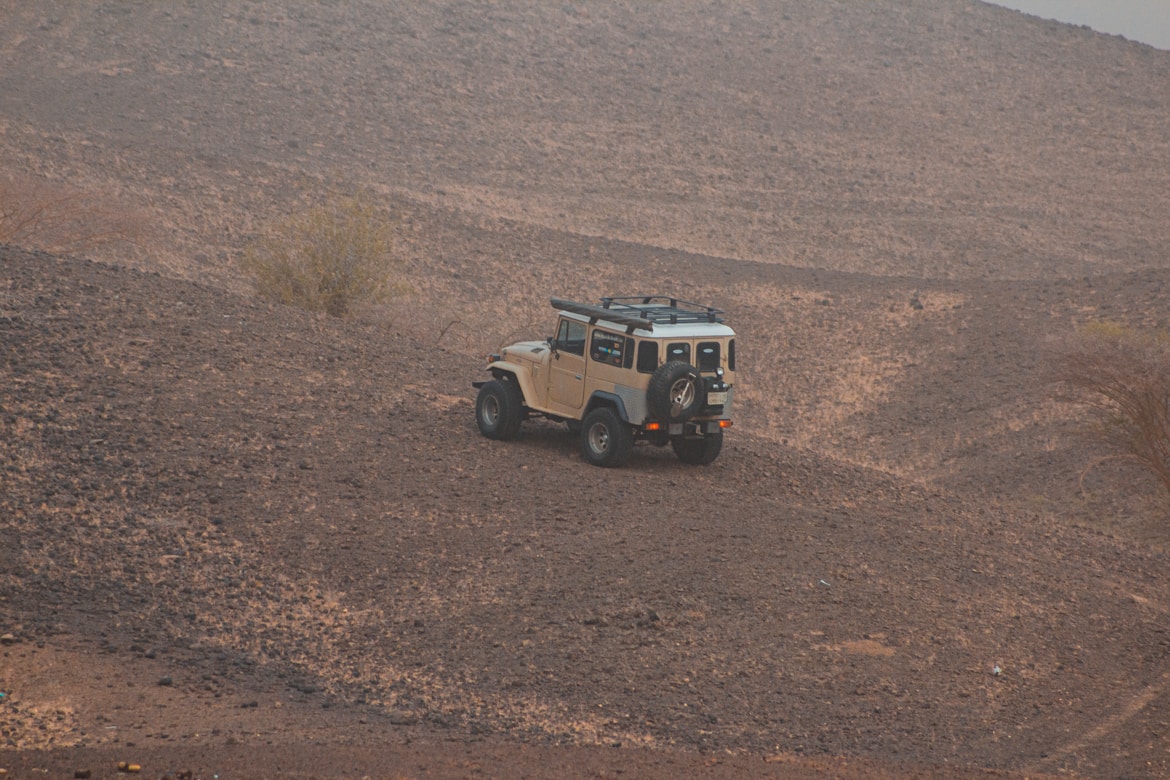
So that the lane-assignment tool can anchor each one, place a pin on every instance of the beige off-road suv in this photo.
(643, 368)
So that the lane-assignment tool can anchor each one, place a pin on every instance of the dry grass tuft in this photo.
(327, 259)
(58, 219)
(1123, 375)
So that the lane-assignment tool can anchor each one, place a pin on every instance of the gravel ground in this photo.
(240, 540)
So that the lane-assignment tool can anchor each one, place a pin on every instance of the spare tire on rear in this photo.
(676, 392)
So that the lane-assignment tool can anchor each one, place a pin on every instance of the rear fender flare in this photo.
(602, 398)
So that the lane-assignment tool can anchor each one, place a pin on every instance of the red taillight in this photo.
(653, 426)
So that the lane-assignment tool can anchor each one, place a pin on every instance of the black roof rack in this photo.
(643, 311)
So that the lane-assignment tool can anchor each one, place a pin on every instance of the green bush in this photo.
(1123, 375)
(327, 259)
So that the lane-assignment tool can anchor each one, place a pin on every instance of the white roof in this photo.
(664, 330)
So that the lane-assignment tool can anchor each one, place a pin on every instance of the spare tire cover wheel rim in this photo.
(682, 395)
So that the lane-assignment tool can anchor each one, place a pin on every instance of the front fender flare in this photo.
(517, 372)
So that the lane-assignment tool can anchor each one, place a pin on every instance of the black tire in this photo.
(499, 410)
(605, 439)
(698, 452)
(676, 392)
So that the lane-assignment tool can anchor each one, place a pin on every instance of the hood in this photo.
(532, 351)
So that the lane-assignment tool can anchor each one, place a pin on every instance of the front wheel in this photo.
(699, 452)
(499, 410)
(605, 439)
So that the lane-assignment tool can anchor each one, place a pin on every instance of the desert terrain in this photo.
(241, 540)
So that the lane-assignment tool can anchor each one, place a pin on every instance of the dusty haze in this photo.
(294, 523)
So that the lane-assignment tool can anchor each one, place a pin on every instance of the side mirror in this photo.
(552, 344)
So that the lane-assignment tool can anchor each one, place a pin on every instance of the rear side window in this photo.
(648, 357)
(708, 355)
(678, 351)
(731, 355)
(608, 348)
(571, 337)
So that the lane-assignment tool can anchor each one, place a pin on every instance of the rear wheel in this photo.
(605, 439)
(699, 452)
(499, 409)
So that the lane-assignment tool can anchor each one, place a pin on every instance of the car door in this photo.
(567, 367)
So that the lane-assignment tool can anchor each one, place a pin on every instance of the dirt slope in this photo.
(275, 510)
(240, 540)
(941, 139)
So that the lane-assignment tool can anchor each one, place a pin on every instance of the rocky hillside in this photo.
(229, 528)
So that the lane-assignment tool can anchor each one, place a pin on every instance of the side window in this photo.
(679, 351)
(731, 355)
(648, 356)
(708, 355)
(608, 348)
(571, 337)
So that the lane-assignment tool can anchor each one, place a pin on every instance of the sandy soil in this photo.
(240, 540)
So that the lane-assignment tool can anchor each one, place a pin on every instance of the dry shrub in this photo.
(59, 219)
(1123, 375)
(327, 259)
